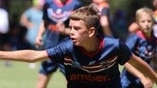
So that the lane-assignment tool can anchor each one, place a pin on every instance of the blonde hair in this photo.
(89, 14)
(144, 10)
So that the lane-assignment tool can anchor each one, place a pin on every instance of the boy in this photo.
(142, 43)
(91, 61)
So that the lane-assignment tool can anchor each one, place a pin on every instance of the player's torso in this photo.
(57, 12)
(84, 69)
(145, 48)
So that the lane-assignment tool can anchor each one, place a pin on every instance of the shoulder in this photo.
(132, 39)
(111, 41)
(139, 34)
(62, 48)
(67, 43)
(114, 43)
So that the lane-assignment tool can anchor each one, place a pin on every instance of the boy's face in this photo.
(146, 23)
(79, 32)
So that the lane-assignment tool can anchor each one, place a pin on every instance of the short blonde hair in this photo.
(89, 14)
(144, 10)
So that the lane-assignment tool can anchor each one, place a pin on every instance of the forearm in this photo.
(147, 83)
(143, 67)
(105, 25)
(23, 55)
(107, 30)
(133, 70)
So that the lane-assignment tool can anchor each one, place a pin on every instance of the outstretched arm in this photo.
(24, 55)
(143, 67)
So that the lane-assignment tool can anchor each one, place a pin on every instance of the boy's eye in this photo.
(142, 21)
(76, 28)
(149, 21)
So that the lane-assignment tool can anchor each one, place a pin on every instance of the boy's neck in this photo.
(92, 45)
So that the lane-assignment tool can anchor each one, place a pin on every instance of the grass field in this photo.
(19, 75)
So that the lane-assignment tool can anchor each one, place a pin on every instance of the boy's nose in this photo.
(146, 23)
(71, 32)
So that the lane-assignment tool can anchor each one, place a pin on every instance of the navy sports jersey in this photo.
(92, 70)
(143, 47)
(55, 12)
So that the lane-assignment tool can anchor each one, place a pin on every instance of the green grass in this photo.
(19, 75)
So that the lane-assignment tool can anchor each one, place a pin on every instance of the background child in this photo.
(142, 44)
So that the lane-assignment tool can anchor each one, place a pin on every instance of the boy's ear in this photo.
(92, 31)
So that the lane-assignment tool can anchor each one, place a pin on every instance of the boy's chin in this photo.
(76, 44)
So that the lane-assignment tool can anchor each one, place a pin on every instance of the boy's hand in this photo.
(38, 42)
(147, 83)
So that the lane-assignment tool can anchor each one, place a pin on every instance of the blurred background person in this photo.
(153, 63)
(142, 43)
(134, 27)
(55, 13)
(4, 29)
(31, 19)
(104, 8)
(119, 24)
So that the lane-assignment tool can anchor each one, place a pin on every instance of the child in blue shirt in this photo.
(143, 44)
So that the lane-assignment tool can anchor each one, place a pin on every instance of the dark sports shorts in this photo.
(48, 67)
